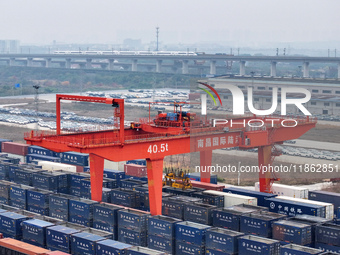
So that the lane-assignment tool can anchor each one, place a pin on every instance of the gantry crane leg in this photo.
(155, 181)
(205, 162)
(97, 172)
(264, 159)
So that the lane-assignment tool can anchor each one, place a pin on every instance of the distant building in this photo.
(9, 46)
(132, 44)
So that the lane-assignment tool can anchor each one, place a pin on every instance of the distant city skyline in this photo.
(242, 23)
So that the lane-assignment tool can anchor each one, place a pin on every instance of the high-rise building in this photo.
(9, 46)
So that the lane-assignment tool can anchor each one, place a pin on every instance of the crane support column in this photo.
(205, 162)
(96, 172)
(155, 177)
(264, 159)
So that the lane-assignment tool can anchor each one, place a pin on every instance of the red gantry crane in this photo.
(168, 134)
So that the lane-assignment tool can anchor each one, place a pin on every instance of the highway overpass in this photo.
(155, 63)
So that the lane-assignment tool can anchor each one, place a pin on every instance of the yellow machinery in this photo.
(180, 181)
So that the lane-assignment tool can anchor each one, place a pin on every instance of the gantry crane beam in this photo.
(154, 143)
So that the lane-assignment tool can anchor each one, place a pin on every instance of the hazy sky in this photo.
(180, 21)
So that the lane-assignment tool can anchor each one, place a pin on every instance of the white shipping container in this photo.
(114, 165)
(53, 166)
(22, 158)
(329, 207)
(286, 190)
(233, 199)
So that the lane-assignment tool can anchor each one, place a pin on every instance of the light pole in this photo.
(36, 99)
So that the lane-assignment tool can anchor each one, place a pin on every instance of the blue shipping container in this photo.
(209, 251)
(81, 207)
(53, 181)
(132, 237)
(87, 222)
(34, 231)
(32, 157)
(258, 223)
(292, 232)
(162, 226)
(59, 237)
(255, 245)
(38, 210)
(325, 196)
(75, 179)
(114, 174)
(133, 219)
(293, 249)
(190, 232)
(59, 206)
(125, 197)
(141, 162)
(328, 234)
(292, 208)
(130, 183)
(137, 250)
(74, 158)
(106, 247)
(10, 224)
(38, 198)
(106, 213)
(25, 176)
(185, 248)
(5, 189)
(327, 248)
(161, 244)
(40, 151)
(84, 243)
(198, 212)
(229, 217)
(223, 239)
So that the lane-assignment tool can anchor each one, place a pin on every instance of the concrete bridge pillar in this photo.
(273, 69)
(134, 65)
(158, 65)
(68, 63)
(305, 69)
(213, 67)
(29, 62)
(48, 62)
(185, 67)
(242, 67)
(111, 64)
(11, 61)
(338, 70)
(88, 63)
